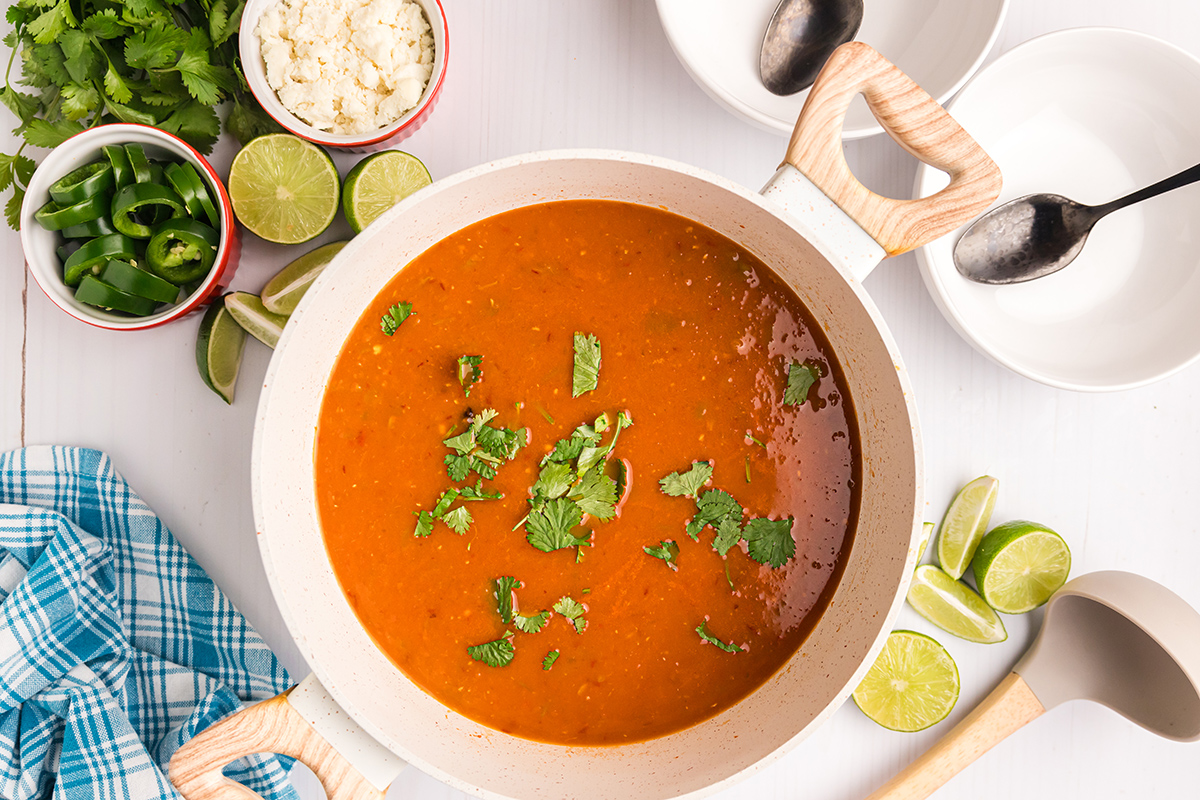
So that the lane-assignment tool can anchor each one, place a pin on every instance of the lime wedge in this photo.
(1019, 565)
(964, 525)
(954, 607)
(283, 188)
(219, 348)
(912, 685)
(248, 311)
(282, 293)
(926, 535)
(378, 182)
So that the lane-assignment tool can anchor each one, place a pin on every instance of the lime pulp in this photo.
(284, 189)
(954, 607)
(912, 685)
(248, 311)
(1019, 565)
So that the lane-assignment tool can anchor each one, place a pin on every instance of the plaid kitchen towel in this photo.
(115, 646)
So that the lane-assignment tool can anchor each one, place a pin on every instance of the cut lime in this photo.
(378, 182)
(964, 525)
(282, 293)
(954, 607)
(912, 685)
(926, 535)
(248, 311)
(219, 350)
(283, 188)
(1019, 565)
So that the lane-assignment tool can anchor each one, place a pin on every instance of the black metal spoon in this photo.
(799, 39)
(1039, 234)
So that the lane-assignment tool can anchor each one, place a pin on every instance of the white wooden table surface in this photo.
(1116, 474)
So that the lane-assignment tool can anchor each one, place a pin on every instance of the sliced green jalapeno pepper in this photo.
(96, 292)
(201, 189)
(140, 164)
(134, 280)
(142, 197)
(122, 171)
(89, 230)
(54, 217)
(80, 184)
(182, 250)
(92, 256)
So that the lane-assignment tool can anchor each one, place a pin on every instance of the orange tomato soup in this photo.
(697, 337)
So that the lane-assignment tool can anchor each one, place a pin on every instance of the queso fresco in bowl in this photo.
(582, 545)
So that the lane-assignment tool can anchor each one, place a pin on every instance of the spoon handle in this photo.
(1189, 175)
(1006, 709)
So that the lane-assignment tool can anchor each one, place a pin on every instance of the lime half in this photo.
(965, 523)
(248, 311)
(283, 188)
(912, 685)
(378, 182)
(954, 607)
(219, 348)
(282, 293)
(1019, 565)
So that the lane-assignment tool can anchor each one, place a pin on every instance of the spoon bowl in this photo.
(799, 39)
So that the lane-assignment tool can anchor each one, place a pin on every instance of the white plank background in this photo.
(1115, 473)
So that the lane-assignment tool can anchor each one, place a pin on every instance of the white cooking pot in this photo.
(357, 719)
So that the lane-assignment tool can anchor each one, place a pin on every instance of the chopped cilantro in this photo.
(444, 502)
(712, 508)
(770, 541)
(755, 441)
(469, 373)
(729, 533)
(497, 653)
(476, 492)
(596, 494)
(573, 611)
(549, 660)
(424, 523)
(688, 483)
(747, 469)
(550, 525)
(505, 586)
(459, 520)
(395, 317)
(482, 448)
(667, 550)
(553, 481)
(531, 623)
(708, 637)
(800, 378)
(586, 374)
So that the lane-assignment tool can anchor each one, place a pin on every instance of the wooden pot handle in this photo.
(271, 726)
(917, 123)
(1009, 707)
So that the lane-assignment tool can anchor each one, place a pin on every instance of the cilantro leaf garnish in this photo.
(596, 494)
(531, 623)
(481, 448)
(459, 520)
(424, 524)
(712, 508)
(395, 317)
(549, 660)
(770, 541)
(667, 550)
(476, 492)
(469, 372)
(800, 378)
(505, 586)
(573, 610)
(688, 483)
(553, 481)
(549, 526)
(497, 653)
(586, 374)
(708, 637)
(729, 533)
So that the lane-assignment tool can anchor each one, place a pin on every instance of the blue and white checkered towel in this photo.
(115, 646)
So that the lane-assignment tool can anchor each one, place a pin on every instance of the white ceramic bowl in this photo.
(939, 45)
(250, 50)
(1092, 114)
(40, 245)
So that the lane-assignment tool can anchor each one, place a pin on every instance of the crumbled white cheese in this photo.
(347, 66)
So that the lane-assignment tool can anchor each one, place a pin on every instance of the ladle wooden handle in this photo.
(917, 123)
(1006, 709)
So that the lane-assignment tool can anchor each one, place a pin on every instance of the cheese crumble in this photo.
(347, 66)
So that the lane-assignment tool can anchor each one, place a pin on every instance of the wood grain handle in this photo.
(271, 726)
(1010, 706)
(917, 123)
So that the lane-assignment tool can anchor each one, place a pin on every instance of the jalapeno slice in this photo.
(201, 188)
(80, 184)
(142, 197)
(140, 164)
(182, 250)
(122, 171)
(134, 280)
(183, 186)
(96, 292)
(93, 255)
(89, 230)
(54, 217)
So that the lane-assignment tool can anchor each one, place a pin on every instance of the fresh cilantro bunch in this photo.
(164, 63)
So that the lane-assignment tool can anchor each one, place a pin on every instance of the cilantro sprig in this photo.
(573, 610)
(469, 373)
(713, 640)
(482, 448)
(394, 318)
(549, 660)
(496, 653)
(459, 519)
(667, 550)
(586, 374)
(800, 378)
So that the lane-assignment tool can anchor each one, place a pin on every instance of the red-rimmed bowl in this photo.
(250, 48)
(41, 245)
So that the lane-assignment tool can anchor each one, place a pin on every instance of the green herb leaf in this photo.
(195, 123)
(667, 550)
(424, 524)
(800, 378)
(688, 483)
(204, 80)
(770, 541)
(708, 637)
(553, 481)
(469, 372)
(497, 653)
(596, 494)
(573, 611)
(712, 508)
(729, 533)
(482, 447)
(549, 526)
(395, 317)
(532, 623)
(104, 25)
(586, 375)
(52, 24)
(247, 120)
(41, 133)
(458, 519)
(477, 492)
(505, 586)
(457, 467)
(444, 502)
(549, 660)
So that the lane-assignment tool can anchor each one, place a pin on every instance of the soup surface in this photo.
(654, 630)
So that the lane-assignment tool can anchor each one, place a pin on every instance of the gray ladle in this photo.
(799, 39)
(1039, 234)
(1114, 638)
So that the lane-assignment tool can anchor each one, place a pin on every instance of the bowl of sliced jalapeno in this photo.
(127, 227)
